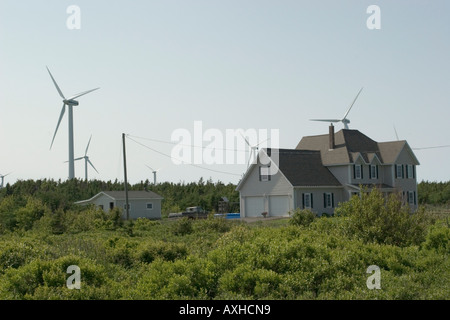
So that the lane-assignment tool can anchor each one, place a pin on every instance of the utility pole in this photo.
(125, 174)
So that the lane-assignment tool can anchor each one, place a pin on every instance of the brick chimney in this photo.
(331, 137)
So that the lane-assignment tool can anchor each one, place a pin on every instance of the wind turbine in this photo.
(154, 173)
(86, 160)
(344, 120)
(69, 102)
(2, 176)
(253, 149)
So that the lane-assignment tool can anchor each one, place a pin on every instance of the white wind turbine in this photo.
(154, 173)
(69, 102)
(2, 176)
(86, 160)
(253, 149)
(344, 120)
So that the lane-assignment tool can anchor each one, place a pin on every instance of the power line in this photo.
(437, 147)
(187, 145)
(172, 158)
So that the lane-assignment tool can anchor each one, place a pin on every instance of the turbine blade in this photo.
(80, 158)
(85, 153)
(59, 122)
(396, 135)
(246, 141)
(346, 114)
(326, 120)
(82, 94)
(56, 85)
(150, 167)
(92, 165)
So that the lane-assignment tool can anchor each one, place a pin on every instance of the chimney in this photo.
(331, 137)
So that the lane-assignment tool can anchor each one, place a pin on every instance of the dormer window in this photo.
(373, 172)
(357, 171)
(399, 171)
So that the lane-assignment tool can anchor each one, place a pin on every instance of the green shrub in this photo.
(151, 250)
(438, 238)
(302, 217)
(183, 227)
(373, 218)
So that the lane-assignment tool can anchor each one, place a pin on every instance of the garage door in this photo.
(278, 206)
(254, 206)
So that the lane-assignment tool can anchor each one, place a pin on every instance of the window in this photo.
(264, 174)
(411, 197)
(399, 171)
(101, 206)
(409, 171)
(307, 200)
(125, 206)
(328, 200)
(357, 171)
(111, 205)
(373, 172)
(149, 206)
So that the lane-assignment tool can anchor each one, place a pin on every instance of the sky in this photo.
(164, 67)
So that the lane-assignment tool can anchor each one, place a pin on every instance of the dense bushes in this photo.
(373, 218)
(214, 258)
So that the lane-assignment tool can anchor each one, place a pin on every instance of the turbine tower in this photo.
(154, 173)
(69, 102)
(86, 160)
(344, 120)
(2, 176)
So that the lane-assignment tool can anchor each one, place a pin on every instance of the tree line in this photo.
(58, 194)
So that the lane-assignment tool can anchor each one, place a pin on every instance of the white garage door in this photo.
(278, 205)
(254, 206)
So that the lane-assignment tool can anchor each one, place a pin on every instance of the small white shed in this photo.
(143, 204)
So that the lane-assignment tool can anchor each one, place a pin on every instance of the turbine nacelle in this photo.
(71, 102)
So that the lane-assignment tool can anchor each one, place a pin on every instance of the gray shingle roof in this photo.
(304, 168)
(120, 195)
(349, 144)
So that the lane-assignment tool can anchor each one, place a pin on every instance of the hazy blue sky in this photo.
(162, 65)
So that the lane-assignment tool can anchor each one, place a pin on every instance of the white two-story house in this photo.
(327, 169)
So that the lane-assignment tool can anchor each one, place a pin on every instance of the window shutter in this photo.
(332, 200)
(406, 169)
(403, 171)
(414, 171)
(312, 203)
(377, 171)
(324, 200)
(362, 172)
(415, 200)
(303, 201)
(354, 171)
(395, 170)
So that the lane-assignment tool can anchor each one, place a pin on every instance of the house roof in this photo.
(305, 168)
(120, 195)
(352, 144)
(300, 167)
